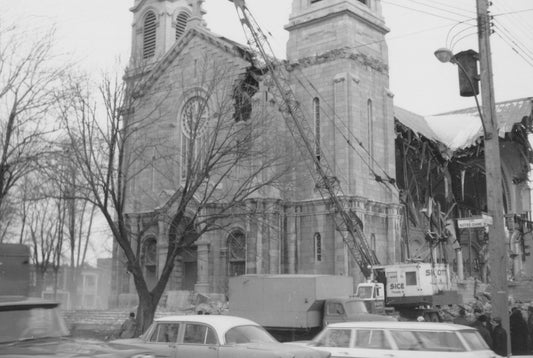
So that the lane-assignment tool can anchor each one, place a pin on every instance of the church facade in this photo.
(338, 69)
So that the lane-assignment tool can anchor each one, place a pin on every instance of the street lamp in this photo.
(493, 170)
(445, 55)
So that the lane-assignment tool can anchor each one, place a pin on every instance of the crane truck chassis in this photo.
(411, 289)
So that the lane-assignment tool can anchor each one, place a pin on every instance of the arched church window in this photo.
(316, 117)
(194, 121)
(317, 238)
(181, 23)
(149, 261)
(370, 121)
(149, 255)
(149, 35)
(237, 253)
(373, 242)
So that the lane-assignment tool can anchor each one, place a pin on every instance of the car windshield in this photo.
(355, 307)
(248, 334)
(30, 322)
(474, 340)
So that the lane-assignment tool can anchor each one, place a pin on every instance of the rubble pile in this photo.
(480, 304)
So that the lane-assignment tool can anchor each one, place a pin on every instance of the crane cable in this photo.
(358, 247)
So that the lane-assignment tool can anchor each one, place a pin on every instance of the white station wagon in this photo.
(401, 339)
(213, 336)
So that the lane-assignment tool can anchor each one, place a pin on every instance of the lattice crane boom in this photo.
(346, 221)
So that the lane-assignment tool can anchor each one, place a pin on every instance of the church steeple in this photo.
(339, 46)
(158, 24)
(345, 23)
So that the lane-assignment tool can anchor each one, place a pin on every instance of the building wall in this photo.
(293, 228)
(93, 286)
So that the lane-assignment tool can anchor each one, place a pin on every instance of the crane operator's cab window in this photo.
(410, 278)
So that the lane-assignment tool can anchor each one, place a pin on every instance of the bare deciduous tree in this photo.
(75, 215)
(28, 80)
(127, 161)
(44, 225)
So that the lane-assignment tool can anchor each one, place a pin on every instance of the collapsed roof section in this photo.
(461, 129)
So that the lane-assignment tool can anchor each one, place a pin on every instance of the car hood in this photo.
(63, 347)
(290, 350)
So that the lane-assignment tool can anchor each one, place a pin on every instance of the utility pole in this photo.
(497, 239)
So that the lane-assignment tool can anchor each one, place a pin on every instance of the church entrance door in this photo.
(190, 269)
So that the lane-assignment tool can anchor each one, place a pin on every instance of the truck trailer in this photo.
(295, 307)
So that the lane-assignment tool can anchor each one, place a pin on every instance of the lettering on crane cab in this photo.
(397, 286)
(436, 272)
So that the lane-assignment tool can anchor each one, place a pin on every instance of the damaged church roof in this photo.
(462, 128)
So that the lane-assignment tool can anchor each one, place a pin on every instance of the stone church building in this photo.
(340, 84)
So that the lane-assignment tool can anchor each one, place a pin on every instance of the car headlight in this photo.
(143, 355)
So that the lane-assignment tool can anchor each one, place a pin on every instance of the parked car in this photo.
(213, 336)
(400, 340)
(32, 327)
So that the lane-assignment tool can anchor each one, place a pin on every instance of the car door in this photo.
(197, 340)
(161, 340)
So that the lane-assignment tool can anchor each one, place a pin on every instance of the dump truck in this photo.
(296, 307)
(411, 289)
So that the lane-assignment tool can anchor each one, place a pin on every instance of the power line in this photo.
(512, 12)
(514, 49)
(453, 27)
(514, 16)
(515, 40)
(516, 21)
(441, 9)
(453, 44)
(421, 11)
(471, 12)
(454, 40)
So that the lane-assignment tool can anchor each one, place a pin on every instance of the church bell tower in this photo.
(158, 24)
(339, 47)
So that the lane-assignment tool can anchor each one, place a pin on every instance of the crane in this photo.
(346, 221)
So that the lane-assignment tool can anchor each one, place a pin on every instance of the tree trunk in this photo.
(55, 283)
(39, 284)
(145, 312)
(148, 300)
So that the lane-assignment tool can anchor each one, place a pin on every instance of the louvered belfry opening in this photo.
(181, 23)
(149, 37)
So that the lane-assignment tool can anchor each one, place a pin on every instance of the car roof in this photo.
(430, 326)
(221, 323)
(7, 301)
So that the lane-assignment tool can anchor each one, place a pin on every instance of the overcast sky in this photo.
(97, 33)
